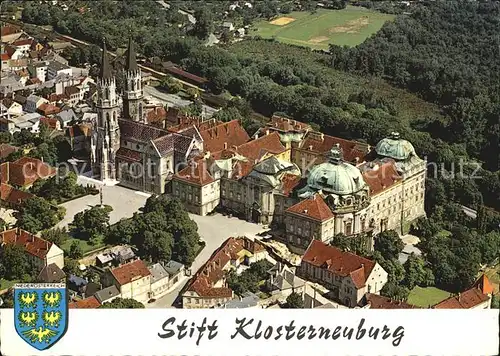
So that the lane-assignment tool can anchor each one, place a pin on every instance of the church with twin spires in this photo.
(124, 147)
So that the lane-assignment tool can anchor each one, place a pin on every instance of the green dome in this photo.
(395, 147)
(336, 176)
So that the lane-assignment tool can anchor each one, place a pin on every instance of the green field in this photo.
(85, 245)
(347, 27)
(423, 297)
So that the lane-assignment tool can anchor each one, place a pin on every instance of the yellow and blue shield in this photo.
(41, 313)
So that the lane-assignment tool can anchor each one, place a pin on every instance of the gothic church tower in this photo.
(133, 96)
(106, 135)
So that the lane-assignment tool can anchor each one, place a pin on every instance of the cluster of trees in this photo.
(294, 301)
(52, 149)
(447, 53)
(14, 264)
(60, 188)
(38, 214)
(92, 224)
(251, 279)
(122, 303)
(162, 232)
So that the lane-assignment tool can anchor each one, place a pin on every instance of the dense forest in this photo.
(432, 74)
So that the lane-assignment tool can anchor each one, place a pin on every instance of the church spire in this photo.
(131, 61)
(105, 72)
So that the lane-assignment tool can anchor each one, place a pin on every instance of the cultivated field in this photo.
(349, 27)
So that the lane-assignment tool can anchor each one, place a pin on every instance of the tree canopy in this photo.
(122, 303)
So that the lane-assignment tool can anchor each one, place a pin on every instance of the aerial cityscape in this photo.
(251, 154)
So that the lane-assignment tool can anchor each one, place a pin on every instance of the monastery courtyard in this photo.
(213, 229)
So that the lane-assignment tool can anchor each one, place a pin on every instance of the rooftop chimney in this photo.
(225, 145)
(267, 132)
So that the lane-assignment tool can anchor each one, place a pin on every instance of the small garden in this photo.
(250, 280)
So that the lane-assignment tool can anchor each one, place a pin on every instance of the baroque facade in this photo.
(308, 185)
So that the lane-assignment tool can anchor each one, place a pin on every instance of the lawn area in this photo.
(347, 27)
(423, 297)
(4, 283)
(85, 245)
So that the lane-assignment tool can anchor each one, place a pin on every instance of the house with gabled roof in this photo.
(25, 171)
(40, 252)
(208, 287)
(477, 297)
(347, 275)
(132, 279)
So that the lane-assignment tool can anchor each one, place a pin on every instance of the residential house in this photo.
(107, 294)
(10, 83)
(14, 53)
(51, 123)
(159, 280)
(346, 274)
(65, 117)
(25, 171)
(10, 33)
(13, 108)
(33, 102)
(51, 274)
(132, 279)
(40, 252)
(6, 150)
(175, 270)
(12, 197)
(477, 297)
(283, 281)
(55, 69)
(248, 300)
(81, 287)
(27, 45)
(208, 288)
(73, 94)
(4, 112)
(39, 70)
(376, 301)
(87, 303)
(115, 256)
(47, 109)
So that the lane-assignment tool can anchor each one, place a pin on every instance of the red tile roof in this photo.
(186, 75)
(321, 144)
(197, 173)
(379, 302)
(484, 285)
(9, 30)
(156, 115)
(130, 272)
(256, 149)
(212, 272)
(338, 262)
(381, 177)
(313, 208)
(128, 155)
(289, 182)
(284, 124)
(12, 195)
(27, 41)
(25, 171)
(465, 300)
(5, 57)
(6, 150)
(222, 136)
(87, 303)
(32, 244)
(50, 122)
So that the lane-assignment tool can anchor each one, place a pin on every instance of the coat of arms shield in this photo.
(41, 313)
